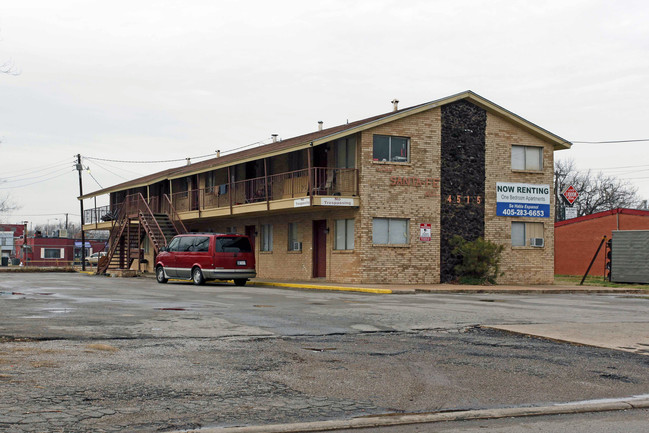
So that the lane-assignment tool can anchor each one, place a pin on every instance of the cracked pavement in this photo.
(101, 354)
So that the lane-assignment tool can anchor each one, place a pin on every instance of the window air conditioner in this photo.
(536, 242)
(297, 246)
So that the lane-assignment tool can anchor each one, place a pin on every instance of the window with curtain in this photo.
(522, 232)
(344, 234)
(293, 244)
(527, 158)
(390, 231)
(346, 153)
(266, 235)
(389, 148)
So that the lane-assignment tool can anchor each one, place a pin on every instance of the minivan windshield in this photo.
(233, 245)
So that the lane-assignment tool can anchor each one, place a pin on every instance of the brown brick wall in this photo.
(417, 262)
(521, 265)
(342, 266)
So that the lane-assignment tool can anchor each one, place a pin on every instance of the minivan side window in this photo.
(201, 244)
(232, 245)
(173, 246)
(186, 243)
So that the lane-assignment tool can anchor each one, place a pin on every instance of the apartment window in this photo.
(52, 253)
(293, 244)
(210, 181)
(296, 161)
(346, 153)
(266, 237)
(390, 231)
(183, 187)
(344, 234)
(393, 149)
(526, 234)
(527, 158)
(232, 229)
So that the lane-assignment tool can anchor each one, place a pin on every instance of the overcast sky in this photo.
(160, 80)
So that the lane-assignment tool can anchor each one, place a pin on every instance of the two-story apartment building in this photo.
(371, 201)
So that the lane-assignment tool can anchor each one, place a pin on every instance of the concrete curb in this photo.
(322, 287)
(531, 291)
(394, 420)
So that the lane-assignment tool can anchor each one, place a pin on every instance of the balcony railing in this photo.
(100, 214)
(294, 184)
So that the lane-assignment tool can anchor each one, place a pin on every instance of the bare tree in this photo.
(6, 205)
(597, 191)
(8, 68)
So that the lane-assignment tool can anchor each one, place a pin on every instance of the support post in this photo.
(593, 261)
(308, 163)
(83, 234)
(230, 189)
(266, 184)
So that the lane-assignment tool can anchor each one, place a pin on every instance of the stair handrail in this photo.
(115, 233)
(175, 217)
(145, 208)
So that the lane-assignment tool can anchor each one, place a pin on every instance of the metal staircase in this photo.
(134, 221)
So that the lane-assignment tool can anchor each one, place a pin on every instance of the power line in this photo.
(147, 162)
(93, 178)
(612, 141)
(55, 164)
(105, 164)
(35, 177)
(35, 171)
(34, 183)
(110, 171)
(257, 143)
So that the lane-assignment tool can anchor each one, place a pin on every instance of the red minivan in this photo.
(207, 256)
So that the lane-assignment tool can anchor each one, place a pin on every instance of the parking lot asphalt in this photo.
(89, 353)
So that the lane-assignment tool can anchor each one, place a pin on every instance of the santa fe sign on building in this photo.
(570, 194)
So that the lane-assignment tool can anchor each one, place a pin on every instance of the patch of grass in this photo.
(574, 280)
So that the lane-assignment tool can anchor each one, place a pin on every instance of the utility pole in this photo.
(66, 221)
(83, 234)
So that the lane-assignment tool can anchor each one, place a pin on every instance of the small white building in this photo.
(7, 244)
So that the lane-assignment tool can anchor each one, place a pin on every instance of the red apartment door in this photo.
(319, 248)
(250, 232)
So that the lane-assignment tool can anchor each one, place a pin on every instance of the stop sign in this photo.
(570, 194)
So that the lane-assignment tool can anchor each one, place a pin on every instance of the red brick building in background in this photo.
(44, 251)
(577, 239)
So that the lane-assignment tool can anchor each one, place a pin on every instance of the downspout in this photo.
(171, 193)
(308, 162)
(230, 189)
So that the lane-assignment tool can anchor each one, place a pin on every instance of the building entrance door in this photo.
(319, 248)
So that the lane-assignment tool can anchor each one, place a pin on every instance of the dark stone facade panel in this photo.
(462, 179)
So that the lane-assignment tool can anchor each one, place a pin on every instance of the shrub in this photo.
(480, 260)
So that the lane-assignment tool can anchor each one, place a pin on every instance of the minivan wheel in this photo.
(240, 281)
(197, 276)
(160, 275)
